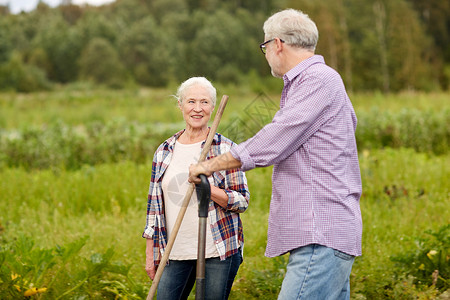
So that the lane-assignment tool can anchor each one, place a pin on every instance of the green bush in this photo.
(424, 131)
(59, 145)
(429, 263)
(61, 272)
(20, 77)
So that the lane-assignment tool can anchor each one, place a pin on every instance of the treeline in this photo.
(385, 45)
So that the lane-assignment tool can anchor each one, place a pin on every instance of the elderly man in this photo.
(314, 211)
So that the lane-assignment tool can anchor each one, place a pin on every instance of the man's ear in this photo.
(279, 45)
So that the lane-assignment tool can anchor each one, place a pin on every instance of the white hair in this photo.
(293, 27)
(193, 81)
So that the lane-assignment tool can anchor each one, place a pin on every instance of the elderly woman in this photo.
(168, 185)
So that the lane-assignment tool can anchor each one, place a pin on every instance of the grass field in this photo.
(76, 233)
(82, 106)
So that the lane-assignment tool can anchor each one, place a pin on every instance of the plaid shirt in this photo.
(226, 225)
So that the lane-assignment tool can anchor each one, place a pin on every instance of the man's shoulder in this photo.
(317, 63)
(313, 66)
(322, 72)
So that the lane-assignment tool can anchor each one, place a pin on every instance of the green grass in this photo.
(108, 203)
(49, 209)
(396, 102)
(70, 129)
(80, 106)
(391, 222)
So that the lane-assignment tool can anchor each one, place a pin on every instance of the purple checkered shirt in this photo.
(316, 182)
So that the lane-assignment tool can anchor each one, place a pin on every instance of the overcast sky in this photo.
(17, 6)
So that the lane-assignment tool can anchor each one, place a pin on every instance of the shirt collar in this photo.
(170, 142)
(302, 66)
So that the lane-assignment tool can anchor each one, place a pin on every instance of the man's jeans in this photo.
(178, 278)
(317, 272)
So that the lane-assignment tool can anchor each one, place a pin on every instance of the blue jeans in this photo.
(317, 272)
(179, 276)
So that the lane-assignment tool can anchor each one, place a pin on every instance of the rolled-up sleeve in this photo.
(153, 198)
(237, 190)
(241, 153)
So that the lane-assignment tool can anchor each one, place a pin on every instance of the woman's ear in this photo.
(179, 104)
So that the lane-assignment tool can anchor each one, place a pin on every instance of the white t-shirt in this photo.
(175, 186)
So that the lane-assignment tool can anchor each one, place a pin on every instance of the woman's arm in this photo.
(232, 191)
(219, 196)
(149, 264)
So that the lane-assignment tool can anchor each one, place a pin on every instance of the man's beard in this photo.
(276, 75)
(273, 69)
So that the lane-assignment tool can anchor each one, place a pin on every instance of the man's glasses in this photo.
(263, 48)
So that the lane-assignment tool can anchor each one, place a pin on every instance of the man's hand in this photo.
(196, 169)
(222, 162)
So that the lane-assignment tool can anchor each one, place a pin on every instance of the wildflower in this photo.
(30, 292)
(431, 254)
(14, 276)
(422, 267)
(366, 153)
(17, 287)
(33, 291)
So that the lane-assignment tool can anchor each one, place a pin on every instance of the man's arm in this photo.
(222, 162)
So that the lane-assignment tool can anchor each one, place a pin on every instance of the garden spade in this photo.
(203, 194)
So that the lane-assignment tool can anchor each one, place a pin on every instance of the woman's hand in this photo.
(150, 268)
(149, 264)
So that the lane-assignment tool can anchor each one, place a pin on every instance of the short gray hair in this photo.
(201, 81)
(293, 27)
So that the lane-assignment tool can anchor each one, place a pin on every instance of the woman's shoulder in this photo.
(168, 143)
(222, 140)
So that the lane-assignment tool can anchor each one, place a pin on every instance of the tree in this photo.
(435, 15)
(94, 25)
(409, 56)
(331, 18)
(376, 45)
(4, 10)
(71, 13)
(100, 63)
(38, 58)
(144, 50)
(379, 11)
(63, 45)
(221, 42)
(5, 42)
(17, 76)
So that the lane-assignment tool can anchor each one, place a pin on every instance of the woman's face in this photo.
(196, 107)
